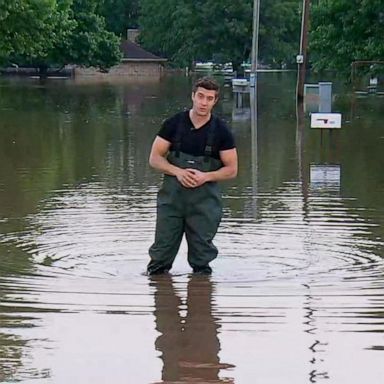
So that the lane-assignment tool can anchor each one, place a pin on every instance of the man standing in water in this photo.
(195, 150)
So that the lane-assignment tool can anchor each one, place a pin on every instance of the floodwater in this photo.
(297, 293)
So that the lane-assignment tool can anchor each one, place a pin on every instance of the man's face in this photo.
(203, 101)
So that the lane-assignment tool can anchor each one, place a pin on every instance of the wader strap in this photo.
(179, 133)
(210, 138)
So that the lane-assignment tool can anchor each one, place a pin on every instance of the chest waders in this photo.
(197, 212)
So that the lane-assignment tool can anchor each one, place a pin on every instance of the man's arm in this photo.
(229, 169)
(157, 157)
(158, 160)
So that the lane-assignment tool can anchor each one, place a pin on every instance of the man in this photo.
(194, 149)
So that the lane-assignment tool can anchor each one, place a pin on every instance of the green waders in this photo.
(196, 212)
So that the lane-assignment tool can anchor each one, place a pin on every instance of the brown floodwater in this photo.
(297, 292)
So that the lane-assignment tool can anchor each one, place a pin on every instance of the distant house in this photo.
(136, 61)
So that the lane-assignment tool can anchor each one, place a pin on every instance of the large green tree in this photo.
(226, 29)
(343, 31)
(196, 29)
(158, 31)
(31, 28)
(89, 43)
(279, 40)
(204, 29)
(119, 15)
(43, 33)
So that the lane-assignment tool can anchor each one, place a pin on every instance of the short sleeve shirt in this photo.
(193, 141)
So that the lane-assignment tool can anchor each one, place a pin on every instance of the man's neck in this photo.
(197, 120)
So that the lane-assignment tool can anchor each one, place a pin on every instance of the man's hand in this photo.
(191, 178)
(199, 177)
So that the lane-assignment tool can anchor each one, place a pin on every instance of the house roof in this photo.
(133, 52)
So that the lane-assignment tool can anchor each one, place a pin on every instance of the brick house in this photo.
(136, 62)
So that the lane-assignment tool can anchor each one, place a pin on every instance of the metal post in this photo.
(255, 42)
(303, 50)
(254, 149)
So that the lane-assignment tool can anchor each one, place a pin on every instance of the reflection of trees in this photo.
(54, 134)
(52, 142)
(65, 135)
(14, 349)
(285, 151)
(357, 146)
(188, 341)
(275, 139)
(276, 133)
(13, 260)
(11, 347)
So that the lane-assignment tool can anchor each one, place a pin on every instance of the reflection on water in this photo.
(297, 290)
(188, 339)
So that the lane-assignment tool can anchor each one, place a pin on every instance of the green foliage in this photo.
(184, 31)
(280, 24)
(229, 27)
(157, 24)
(119, 15)
(31, 28)
(56, 32)
(203, 29)
(195, 29)
(89, 43)
(346, 30)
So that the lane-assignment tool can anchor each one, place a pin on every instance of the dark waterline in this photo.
(297, 290)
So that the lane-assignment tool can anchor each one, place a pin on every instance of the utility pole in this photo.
(302, 57)
(255, 42)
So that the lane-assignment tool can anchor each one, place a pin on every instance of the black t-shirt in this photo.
(193, 140)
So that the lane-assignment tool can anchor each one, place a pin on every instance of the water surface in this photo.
(297, 290)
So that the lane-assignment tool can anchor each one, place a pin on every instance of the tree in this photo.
(279, 39)
(344, 31)
(227, 30)
(89, 43)
(43, 33)
(32, 28)
(196, 29)
(203, 29)
(158, 31)
(119, 15)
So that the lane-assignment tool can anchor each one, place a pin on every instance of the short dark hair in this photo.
(206, 83)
